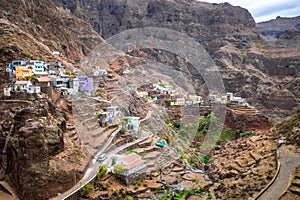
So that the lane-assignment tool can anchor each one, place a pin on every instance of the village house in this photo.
(23, 72)
(114, 110)
(142, 94)
(12, 65)
(131, 123)
(178, 102)
(133, 167)
(229, 96)
(7, 91)
(27, 86)
(38, 67)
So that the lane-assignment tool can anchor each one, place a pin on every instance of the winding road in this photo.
(289, 159)
(92, 170)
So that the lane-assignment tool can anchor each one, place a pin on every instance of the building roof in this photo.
(44, 79)
(21, 82)
(133, 160)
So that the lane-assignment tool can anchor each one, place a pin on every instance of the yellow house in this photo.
(23, 72)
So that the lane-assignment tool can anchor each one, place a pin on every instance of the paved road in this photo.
(289, 160)
(92, 170)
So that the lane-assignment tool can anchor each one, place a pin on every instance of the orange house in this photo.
(22, 72)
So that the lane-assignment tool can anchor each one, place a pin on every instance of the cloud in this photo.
(263, 10)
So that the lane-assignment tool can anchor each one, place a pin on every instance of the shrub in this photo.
(86, 189)
(26, 54)
(102, 170)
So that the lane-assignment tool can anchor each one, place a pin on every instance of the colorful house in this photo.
(22, 72)
(38, 67)
(131, 123)
(12, 65)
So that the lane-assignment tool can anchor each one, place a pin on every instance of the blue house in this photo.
(16, 63)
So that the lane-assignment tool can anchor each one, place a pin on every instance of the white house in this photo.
(229, 96)
(7, 91)
(28, 87)
(142, 94)
(131, 163)
(21, 85)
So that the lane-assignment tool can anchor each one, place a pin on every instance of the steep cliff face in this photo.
(32, 134)
(250, 67)
(34, 29)
(203, 21)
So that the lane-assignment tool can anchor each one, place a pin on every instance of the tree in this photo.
(119, 169)
(102, 170)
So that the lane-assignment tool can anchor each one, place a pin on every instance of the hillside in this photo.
(38, 138)
(274, 28)
(261, 72)
(38, 28)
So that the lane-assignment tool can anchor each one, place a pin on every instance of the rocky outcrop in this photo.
(289, 128)
(32, 135)
(240, 169)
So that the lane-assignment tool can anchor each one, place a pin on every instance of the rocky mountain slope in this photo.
(38, 140)
(274, 28)
(250, 67)
(37, 28)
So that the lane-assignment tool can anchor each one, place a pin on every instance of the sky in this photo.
(264, 10)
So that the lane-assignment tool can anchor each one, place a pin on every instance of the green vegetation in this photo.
(32, 77)
(203, 158)
(132, 151)
(226, 135)
(100, 92)
(118, 169)
(129, 197)
(168, 102)
(86, 189)
(183, 194)
(247, 134)
(18, 88)
(123, 130)
(177, 124)
(102, 170)
(26, 54)
(31, 98)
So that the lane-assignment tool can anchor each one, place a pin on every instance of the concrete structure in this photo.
(133, 167)
(142, 94)
(28, 87)
(113, 110)
(131, 123)
(7, 91)
(14, 63)
(23, 72)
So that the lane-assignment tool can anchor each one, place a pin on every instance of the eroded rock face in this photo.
(31, 136)
(240, 169)
(250, 67)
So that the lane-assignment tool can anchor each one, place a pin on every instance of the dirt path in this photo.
(289, 159)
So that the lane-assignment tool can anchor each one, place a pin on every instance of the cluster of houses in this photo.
(228, 98)
(169, 95)
(34, 77)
